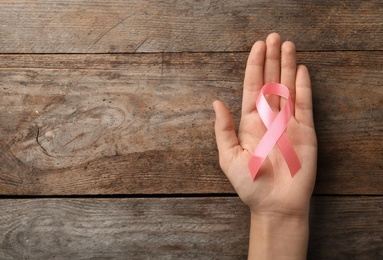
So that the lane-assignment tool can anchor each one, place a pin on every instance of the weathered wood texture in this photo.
(140, 121)
(186, 25)
(143, 123)
(175, 228)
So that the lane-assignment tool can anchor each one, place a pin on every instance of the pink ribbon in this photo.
(276, 126)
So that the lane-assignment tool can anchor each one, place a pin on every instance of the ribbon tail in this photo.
(288, 152)
(254, 165)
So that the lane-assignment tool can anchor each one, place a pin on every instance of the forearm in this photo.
(278, 237)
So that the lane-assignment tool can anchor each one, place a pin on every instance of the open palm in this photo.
(274, 190)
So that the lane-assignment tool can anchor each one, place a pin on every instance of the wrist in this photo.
(278, 236)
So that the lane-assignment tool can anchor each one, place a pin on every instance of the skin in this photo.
(279, 203)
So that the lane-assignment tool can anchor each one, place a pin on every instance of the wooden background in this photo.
(107, 147)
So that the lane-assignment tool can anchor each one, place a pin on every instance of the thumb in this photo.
(224, 128)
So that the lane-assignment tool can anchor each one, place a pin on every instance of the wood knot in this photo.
(68, 136)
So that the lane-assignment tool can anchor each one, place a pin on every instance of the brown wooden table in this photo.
(107, 147)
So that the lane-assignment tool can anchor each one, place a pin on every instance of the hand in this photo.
(279, 203)
(274, 190)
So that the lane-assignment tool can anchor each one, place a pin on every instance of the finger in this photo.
(288, 69)
(253, 77)
(303, 98)
(272, 69)
(273, 58)
(224, 128)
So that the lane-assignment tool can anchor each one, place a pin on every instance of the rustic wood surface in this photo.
(107, 147)
(112, 124)
(186, 25)
(157, 228)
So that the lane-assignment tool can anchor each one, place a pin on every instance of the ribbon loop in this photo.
(276, 126)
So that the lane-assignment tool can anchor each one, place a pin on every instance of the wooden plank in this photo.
(175, 228)
(122, 228)
(348, 111)
(346, 228)
(178, 25)
(143, 123)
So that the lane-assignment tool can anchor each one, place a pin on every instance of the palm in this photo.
(274, 188)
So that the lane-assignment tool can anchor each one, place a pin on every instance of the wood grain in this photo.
(143, 123)
(175, 228)
(75, 120)
(186, 25)
(344, 227)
